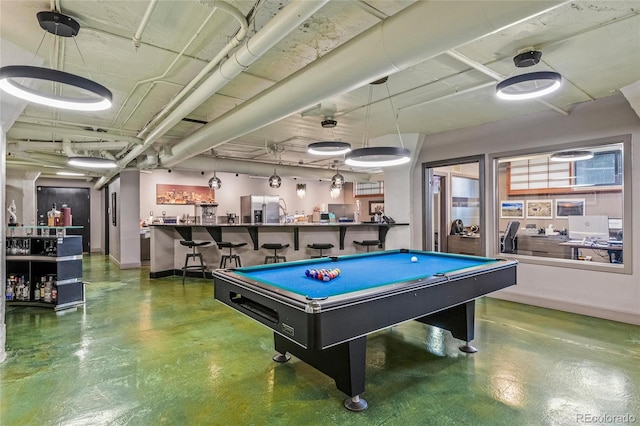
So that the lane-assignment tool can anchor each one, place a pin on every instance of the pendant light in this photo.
(530, 85)
(337, 179)
(382, 156)
(301, 190)
(91, 96)
(92, 162)
(214, 182)
(329, 147)
(578, 155)
(274, 180)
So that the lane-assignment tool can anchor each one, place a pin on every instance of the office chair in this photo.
(508, 241)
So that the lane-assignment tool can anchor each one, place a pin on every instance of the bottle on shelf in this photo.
(9, 289)
(53, 216)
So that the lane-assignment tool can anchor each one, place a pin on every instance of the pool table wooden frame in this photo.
(330, 334)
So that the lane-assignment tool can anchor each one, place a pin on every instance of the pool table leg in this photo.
(459, 320)
(344, 363)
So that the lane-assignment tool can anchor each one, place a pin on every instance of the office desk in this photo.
(577, 245)
(325, 323)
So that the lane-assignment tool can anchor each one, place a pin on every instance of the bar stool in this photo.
(367, 243)
(230, 257)
(275, 247)
(319, 246)
(193, 255)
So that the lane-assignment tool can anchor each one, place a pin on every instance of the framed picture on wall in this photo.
(512, 209)
(539, 209)
(570, 207)
(376, 207)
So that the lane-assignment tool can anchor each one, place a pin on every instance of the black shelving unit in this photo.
(54, 258)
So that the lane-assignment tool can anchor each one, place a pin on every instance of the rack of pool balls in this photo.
(322, 274)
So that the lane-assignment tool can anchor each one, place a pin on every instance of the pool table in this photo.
(325, 323)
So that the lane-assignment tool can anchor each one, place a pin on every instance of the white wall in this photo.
(228, 196)
(603, 294)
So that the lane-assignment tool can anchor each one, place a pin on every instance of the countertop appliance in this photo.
(255, 209)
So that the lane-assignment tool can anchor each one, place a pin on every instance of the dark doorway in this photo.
(78, 199)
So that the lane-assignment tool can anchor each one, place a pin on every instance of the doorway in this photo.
(454, 208)
(78, 199)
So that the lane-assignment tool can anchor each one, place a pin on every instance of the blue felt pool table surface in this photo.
(359, 272)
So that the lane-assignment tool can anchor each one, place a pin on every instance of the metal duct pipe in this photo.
(71, 132)
(57, 146)
(235, 41)
(275, 30)
(436, 27)
(148, 161)
(108, 155)
(266, 169)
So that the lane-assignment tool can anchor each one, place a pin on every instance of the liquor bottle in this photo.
(36, 291)
(8, 295)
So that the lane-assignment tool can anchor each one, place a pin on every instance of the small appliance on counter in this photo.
(206, 213)
(231, 218)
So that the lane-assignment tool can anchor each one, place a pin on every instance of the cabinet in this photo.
(44, 270)
(464, 244)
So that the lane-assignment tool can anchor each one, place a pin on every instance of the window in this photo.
(368, 188)
(552, 197)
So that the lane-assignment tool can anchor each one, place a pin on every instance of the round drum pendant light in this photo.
(92, 162)
(91, 96)
(99, 100)
(380, 156)
(328, 148)
(529, 86)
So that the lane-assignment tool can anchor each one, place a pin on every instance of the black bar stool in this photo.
(367, 243)
(275, 247)
(193, 255)
(320, 246)
(230, 257)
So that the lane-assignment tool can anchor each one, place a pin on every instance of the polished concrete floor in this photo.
(152, 352)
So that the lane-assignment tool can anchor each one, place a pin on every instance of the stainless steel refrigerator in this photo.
(256, 209)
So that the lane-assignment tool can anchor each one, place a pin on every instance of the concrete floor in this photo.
(152, 352)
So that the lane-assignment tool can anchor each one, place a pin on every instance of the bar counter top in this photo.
(215, 230)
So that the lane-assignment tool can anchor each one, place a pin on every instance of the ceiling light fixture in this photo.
(577, 155)
(274, 180)
(337, 179)
(329, 147)
(380, 156)
(530, 85)
(91, 96)
(92, 162)
(214, 182)
(301, 190)
(69, 174)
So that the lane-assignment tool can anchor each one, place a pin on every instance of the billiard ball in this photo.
(414, 259)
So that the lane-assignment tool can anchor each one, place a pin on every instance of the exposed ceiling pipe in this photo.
(148, 161)
(137, 37)
(266, 169)
(235, 42)
(435, 29)
(157, 79)
(71, 132)
(20, 145)
(289, 18)
(66, 148)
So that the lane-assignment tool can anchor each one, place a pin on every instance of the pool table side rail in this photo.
(323, 323)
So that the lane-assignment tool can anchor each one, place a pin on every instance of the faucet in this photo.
(283, 208)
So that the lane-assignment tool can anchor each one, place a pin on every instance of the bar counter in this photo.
(167, 255)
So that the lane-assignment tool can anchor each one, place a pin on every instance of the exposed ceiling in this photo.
(443, 61)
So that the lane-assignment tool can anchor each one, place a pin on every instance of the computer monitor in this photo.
(589, 227)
